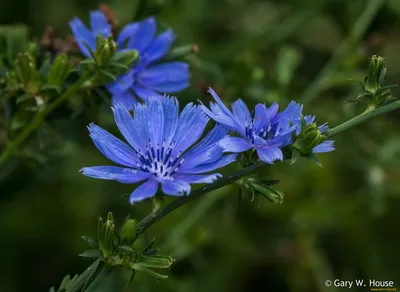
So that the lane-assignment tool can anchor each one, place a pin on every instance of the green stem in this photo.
(162, 212)
(38, 119)
(359, 28)
(363, 117)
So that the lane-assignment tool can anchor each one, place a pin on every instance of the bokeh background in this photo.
(339, 221)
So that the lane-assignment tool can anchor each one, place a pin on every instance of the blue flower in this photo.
(267, 131)
(158, 151)
(149, 76)
(264, 132)
(293, 115)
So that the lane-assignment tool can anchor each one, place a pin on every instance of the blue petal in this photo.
(82, 35)
(309, 119)
(144, 93)
(221, 118)
(113, 148)
(99, 24)
(144, 191)
(214, 136)
(128, 127)
(220, 103)
(171, 117)
(198, 178)
(122, 84)
(223, 161)
(241, 111)
(127, 32)
(326, 146)
(260, 118)
(122, 175)
(235, 144)
(175, 187)
(155, 121)
(207, 155)
(140, 123)
(160, 46)
(143, 36)
(165, 77)
(269, 154)
(272, 111)
(191, 125)
(127, 99)
(323, 128)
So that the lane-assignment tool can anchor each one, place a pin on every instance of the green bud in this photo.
(267, 192)
(105, 50)
(59, 70)
(125, 58)
(106, 235)
(310, 137)
(128, 231)
(25, 73)
(376, 75)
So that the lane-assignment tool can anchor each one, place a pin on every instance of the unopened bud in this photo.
(128, 231)
(309, 138)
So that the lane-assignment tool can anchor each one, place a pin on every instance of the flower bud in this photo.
(26, 73)
(128, 232)
(376, 75)
(105, 235)
(105, 50)
(59, 70)
(309, 138)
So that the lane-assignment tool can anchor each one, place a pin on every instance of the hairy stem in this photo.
(314, 89)
(37, 120)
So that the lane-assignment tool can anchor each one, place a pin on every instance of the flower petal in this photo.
(126, 98)
(260, 118)
(223, 161)
(171, 117)
(214, 136)
(241, 111)
(160, 46)
(198, 178)
(191, 125)
(113, 148)
(129, 128)
(235, 144)
(82, 35)
(144, 93)
(155, 121)
(326, 146)
(269, 154)
(127, 32)
(122, 175)
(175, 187)
(99, 24)
(144, 191)
(122, 84)
(165, 77)
(207, 155)
(143, 36)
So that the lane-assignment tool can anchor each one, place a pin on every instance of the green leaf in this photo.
(131, 277)
(295, 155)
(140, 268)
(314, 159)
(156, 261)
(126, 248)
(92, 253)
(76, 284)
(93, 242)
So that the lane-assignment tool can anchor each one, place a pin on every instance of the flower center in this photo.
(159, 160)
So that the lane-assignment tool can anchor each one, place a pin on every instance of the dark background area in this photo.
(340, 221)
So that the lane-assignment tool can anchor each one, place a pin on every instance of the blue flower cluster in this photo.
(159, 150)
(149, 75)
(267, 131)
(163, 147)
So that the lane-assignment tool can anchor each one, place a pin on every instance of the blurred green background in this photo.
(337, 222)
